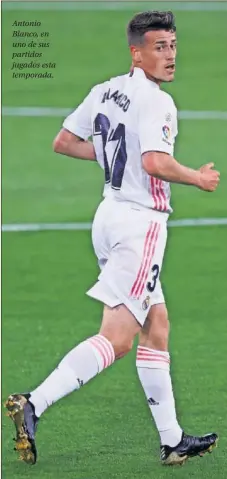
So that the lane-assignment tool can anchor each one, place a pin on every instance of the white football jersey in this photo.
(127, 116)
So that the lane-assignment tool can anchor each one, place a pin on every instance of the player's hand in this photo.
(208, 179)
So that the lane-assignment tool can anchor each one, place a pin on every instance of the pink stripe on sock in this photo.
(104, 349)
(107, 347)
(147, 354)
(108, 343)
(142, 349)
(152, 358)
(100, 350)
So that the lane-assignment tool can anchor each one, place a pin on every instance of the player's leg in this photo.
(84, 361)
(153, 366)
(79, 366)
(152, 354)
(88, 358)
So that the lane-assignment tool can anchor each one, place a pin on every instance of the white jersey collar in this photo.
(139, 73)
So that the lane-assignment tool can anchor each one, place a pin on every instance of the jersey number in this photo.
(115, 167)
(151, 285)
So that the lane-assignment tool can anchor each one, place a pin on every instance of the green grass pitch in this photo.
(105, 430)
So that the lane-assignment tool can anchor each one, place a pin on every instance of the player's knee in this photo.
(121, 346)
(120, 327)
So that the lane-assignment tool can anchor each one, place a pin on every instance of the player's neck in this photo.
(158, 82)
(149, 77)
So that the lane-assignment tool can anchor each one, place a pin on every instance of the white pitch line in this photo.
(24, 227)
(34, 111)
(116, 5)
(55, 111)
(36, 227)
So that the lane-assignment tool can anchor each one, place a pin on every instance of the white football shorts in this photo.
(129, 241)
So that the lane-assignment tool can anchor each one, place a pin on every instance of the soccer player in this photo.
(133, 125)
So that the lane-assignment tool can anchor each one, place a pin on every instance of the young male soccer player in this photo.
(133, 124)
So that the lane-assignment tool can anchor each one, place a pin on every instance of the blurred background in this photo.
(46, 274)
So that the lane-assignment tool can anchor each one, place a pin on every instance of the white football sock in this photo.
(154, 372)
(80, 365)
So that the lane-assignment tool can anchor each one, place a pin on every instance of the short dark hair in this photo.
(147, 21)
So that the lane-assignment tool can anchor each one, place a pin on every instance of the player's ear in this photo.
(136, 54)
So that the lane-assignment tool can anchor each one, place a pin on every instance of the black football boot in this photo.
(189, 446)
(22, 412)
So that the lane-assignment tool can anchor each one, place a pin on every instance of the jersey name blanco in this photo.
(126, 117)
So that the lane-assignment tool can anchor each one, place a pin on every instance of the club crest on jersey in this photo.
(166, 134)
(146, 303)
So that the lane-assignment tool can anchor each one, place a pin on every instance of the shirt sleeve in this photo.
(157, 123)
(79, 121)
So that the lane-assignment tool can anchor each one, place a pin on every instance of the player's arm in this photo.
(72, 140)
(164, 166)
(157, 127)
(69, 144)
